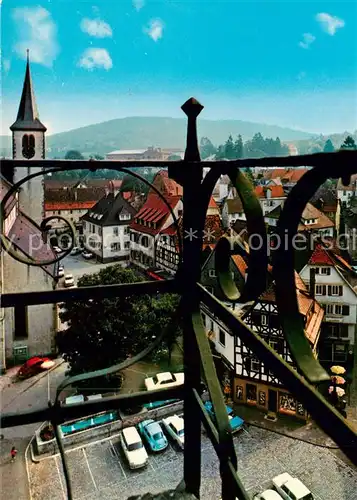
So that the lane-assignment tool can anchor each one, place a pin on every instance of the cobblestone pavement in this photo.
(99, 471)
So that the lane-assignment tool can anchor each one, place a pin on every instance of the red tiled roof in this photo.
(167, 186)
(212, 203)
(154, 210)
(276, 191)
(287, 175)
(321, 257)
(240, 263)
(27, 236)
(311, 212)
(84, 205)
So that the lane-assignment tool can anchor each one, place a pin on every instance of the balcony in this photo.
(198, 361)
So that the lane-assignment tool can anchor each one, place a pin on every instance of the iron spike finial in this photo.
(192, 108)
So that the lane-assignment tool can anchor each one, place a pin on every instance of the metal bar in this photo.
(72, 412)
(190, 273)
(88, 292)
(322, 412)
(316, 159)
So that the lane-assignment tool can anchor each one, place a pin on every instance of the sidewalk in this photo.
(287, 426)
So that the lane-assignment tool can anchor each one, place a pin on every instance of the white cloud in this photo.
(38, 33)
(138, 4)
(155, 29)
(329, 23)
(307, 40)
(96, 28)
(6, 64)
(95, 58)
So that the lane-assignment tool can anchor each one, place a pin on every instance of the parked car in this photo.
(60, 271)
(57, 249)
(86, 254)
(268, 495)
(75, 251)
(291, 488)
(68, 280)
(174, 427)
(161, 380)
(133, 448)
(235, 421)
(152, 434)
(35, 365)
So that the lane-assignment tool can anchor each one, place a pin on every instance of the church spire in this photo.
(27, 116)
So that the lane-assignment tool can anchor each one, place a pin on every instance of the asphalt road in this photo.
(78, 266)
(99, 471)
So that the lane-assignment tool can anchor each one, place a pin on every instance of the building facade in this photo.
(106, 228)
(335, 290)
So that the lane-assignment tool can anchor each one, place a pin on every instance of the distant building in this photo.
(151, 153)
(26, 331)
(345, 193)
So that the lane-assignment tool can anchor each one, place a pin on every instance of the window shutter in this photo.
(340, 290)
(328, 270)
(324, 290)
(329, 288)
(345, 310)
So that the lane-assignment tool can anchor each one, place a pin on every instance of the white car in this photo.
(60, 271)
(57, 249)
(133, 448)
(87, 255)
(268, 495)
(68, 280)
(291, 488)
(174, 426)
(165, 379)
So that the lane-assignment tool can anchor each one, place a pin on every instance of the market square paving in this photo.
(99, 470)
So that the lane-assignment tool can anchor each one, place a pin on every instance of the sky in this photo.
(285, 63)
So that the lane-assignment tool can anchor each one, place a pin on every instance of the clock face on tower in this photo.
(28, 146)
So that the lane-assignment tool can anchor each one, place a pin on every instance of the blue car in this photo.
(152, 434)
(158, 404)
(235, 421)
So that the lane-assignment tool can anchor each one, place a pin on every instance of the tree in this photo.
(73, 155)
(238, 147)
(229, 150)
(349, 143)
(249, 174)
(206, 148)
(328, 147)
(104, 332)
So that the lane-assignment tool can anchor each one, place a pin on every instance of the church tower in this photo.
(28, 143)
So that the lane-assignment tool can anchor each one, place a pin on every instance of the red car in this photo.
(35, 365)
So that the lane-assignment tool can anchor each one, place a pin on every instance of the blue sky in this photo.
(286, 63)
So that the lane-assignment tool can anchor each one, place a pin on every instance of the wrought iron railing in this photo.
(198, 361)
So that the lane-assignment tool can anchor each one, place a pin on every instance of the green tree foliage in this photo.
(131, 183)
(229, 150)
(73, 155)
(328, 147)
(238, 147)
(349, 143)
(206, 148)
(249, 174)
(104, 332)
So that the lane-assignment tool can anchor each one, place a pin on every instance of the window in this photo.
(212, 273)
(320, 289)
(345, 310)
(127, 245)
(335, 290)
(338, 309)
(115, 231)
(264, 319)
(71, 211)
(115, 247)
(329, 308)
(222, 337)
(255, 365)
(126, 230)
(21, 327)
(28, 146)
(84, 225)
(203, 316)
(317, 270)
(326, 270)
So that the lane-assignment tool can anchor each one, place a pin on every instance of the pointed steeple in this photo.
(27, 116)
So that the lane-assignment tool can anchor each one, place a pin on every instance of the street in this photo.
(78, 266)
(99, 470)
(17, 397)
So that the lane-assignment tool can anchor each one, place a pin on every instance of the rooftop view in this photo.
(178, 273)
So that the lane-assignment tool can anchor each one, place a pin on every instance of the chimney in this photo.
(312, 287)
